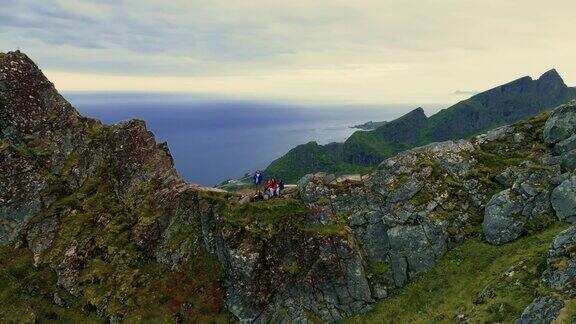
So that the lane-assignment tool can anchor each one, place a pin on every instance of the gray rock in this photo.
(312, 187)
(561, 124)
(406, 190)
(563, 199)
(414, 248)
(566, 145)
(380, 291)
(57, 300)
(549, 159)
(569, 160)
(374, 240)
(543, 310)
(503, 221)
(560, 272)
(507, 177)
(40, 236)
(495, 134)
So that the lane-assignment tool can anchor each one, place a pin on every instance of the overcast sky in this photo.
(324, 51)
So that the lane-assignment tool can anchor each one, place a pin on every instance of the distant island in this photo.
(369, 125)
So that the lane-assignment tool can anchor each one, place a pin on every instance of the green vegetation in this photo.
(116, 272)
(310, 158)
(378, 272)
(27, 293)
(494, 157)
(370, 125)
(487, 110)
(511, 271)
(262, 220)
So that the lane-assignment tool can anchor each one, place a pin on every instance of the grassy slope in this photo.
(308, 158)
(512, 271)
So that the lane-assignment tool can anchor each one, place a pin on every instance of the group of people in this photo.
(272, 188)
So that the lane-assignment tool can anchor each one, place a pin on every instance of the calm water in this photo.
(213, 140)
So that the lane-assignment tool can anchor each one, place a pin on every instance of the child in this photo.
(280, 188)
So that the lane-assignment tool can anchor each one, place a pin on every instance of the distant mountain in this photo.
(504, 104)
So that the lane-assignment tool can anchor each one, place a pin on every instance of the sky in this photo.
(321, 51)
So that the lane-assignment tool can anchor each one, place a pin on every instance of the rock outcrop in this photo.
(560, 272)
(94, 203)
(543, 310)
(559, 277)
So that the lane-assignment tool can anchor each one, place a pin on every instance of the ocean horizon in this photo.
(214, 139)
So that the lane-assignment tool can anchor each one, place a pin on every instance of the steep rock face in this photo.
(535, 188)
(527, 200)
(383, 229)
(98, 207)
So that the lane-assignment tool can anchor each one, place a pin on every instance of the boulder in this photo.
(525, 202)
(414, 248)
(543, 310)
(563, 199)
(495, 134)
(566, 145)
(502, 218)
(569, 161)
(561, 124)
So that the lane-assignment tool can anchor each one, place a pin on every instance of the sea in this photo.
(215, 139)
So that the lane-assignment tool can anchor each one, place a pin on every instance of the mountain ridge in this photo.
(503, 104)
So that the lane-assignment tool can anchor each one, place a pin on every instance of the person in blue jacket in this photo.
(258, 179)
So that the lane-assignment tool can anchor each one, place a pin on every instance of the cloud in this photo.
(465, 92)
(383, 51)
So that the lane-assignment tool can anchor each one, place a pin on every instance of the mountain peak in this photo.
(551, 76)
(417, 113)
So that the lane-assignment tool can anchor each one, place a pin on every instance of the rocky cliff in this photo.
(95, 222)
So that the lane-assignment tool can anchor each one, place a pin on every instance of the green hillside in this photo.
(363, 150)
(311, 156)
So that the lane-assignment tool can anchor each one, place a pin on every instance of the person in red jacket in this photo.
(274, 188)
(268, 193)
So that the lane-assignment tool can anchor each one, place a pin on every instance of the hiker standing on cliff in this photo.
(257, 179)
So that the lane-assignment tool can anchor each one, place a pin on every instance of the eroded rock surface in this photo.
(543, 310)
